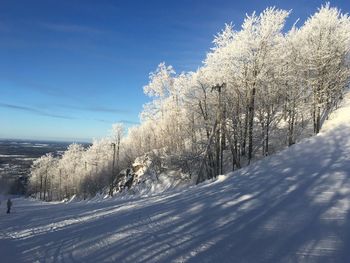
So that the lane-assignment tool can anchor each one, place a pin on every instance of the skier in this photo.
(9, 204)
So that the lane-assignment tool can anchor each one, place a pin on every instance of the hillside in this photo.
(290, 207)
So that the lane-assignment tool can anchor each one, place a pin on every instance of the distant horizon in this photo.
(61, 140)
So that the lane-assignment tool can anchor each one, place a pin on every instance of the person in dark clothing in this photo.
(9, 204)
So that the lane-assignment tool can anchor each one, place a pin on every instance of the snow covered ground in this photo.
(290, 207)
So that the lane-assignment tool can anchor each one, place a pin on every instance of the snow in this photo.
(290, 207)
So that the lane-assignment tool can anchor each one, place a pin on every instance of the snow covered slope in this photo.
(291, 207)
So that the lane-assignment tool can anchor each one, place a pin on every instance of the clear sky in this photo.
(69, 69)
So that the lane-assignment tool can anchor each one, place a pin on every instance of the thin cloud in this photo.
(104, 109)
(71, 28)
(122, 121)
(33, 110)
(96, 109)
(129, 122)
(101, 120)
(29, 84)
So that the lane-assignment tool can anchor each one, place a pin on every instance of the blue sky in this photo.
(69, 69)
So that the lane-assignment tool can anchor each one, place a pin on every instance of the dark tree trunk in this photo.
(267, 130)
(45, 186)
(41, 186)
(318, 119)
(201, 177)
(251, 124)
(232, 148)
(245, 132)
(291, 127)
(217, 152)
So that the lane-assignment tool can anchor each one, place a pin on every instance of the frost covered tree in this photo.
(260, 88)
(324, 55)
(117, 134)
(41, 176)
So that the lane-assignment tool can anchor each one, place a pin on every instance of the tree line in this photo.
(261, 88)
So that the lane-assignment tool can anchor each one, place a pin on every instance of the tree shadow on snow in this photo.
(290, 207)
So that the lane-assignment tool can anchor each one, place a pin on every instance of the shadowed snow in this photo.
(290, 207)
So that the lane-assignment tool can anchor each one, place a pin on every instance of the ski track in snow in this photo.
(290, 207)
